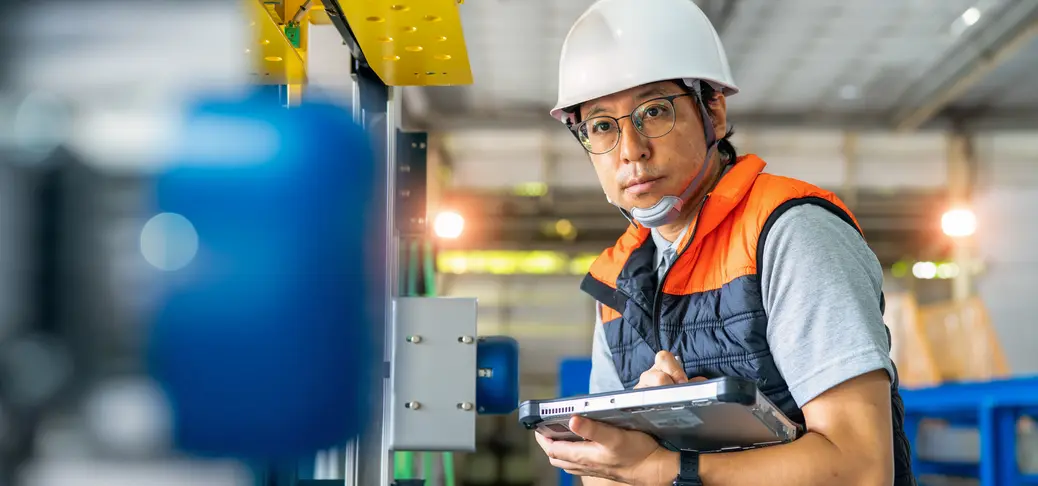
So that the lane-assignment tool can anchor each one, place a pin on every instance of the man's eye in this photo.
(602, 126)
(655, 110)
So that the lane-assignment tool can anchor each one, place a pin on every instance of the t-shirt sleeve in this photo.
(604, 377)
(822, 288)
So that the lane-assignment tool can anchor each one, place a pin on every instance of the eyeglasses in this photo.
(653, 119)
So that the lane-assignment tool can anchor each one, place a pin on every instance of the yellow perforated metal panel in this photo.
(411, 42)
(275, 60)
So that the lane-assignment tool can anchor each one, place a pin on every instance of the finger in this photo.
(595, 473)
(571, 468)
(696, 379)
(667, 363)
(596, 432)
(583, 471)
(653, 377)
(568, 466)
(584, 452)
(543, 441)
(592, 473)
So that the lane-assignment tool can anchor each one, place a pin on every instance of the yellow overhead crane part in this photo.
(275, 59)
(411, 42)
(406, 42)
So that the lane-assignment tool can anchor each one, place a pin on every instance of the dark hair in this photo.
(724, 145)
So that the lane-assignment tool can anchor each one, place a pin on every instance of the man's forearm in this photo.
(810, 460)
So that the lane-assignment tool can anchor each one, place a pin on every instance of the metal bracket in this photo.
(434, 374)
(411, 185)
(334, 12)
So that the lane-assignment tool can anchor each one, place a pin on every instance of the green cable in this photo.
(429, 262)
(427, 467)
(448, 469)
(403, 463)
(413, 265)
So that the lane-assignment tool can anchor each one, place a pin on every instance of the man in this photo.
(724, 271)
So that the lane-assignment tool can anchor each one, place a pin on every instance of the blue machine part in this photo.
(993, 407)
(574, 379)
(266, 245)
(497, 375)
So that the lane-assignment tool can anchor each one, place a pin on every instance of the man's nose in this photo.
(633, 145)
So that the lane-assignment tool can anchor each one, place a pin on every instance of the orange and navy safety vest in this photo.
(709, 309)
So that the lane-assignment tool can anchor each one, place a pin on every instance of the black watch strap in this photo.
(688, 472)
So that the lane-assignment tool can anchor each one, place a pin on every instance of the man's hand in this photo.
(624, 456)
(665, 371)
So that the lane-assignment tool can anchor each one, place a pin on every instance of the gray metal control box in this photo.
(433, 374)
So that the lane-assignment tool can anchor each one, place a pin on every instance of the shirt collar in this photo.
(662, 243)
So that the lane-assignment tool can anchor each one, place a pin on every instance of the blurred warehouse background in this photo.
(921, 114)
(907, 109)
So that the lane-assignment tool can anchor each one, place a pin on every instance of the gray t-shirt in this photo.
(822, 287)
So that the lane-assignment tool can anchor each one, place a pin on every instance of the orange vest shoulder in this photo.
(724, 246)
(610, 263)
(730, 250)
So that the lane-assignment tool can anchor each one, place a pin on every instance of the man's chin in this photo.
(643, 201)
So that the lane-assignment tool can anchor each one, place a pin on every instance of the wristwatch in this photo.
(688, 472)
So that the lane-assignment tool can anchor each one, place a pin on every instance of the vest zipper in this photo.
(657, 298)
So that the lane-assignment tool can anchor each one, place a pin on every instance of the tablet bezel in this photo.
(740, 398)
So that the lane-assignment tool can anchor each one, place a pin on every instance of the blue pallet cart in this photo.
(993, 407)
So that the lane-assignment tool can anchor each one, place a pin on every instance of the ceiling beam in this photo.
(983, 51)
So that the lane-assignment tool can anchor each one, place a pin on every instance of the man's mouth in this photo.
(641, 186)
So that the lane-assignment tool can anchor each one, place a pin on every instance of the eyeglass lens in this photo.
(653, 119)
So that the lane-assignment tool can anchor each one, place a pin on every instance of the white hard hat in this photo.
(619, 44)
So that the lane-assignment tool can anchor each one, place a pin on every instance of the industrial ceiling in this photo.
(855, 95)
(871, 63)
(898, 73)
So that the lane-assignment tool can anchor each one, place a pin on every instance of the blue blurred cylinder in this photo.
(263, 340)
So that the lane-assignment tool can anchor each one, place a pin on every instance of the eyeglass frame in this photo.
(574, 129)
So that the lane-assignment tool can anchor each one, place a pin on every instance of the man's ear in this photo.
(718, 108)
